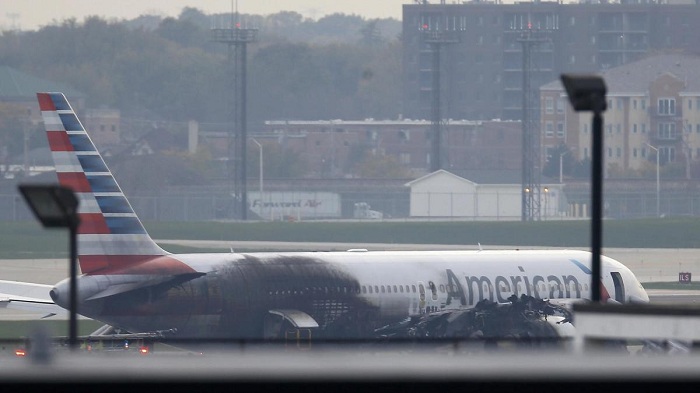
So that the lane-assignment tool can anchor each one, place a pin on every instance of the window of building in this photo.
(560, 105)
(618, 128)
(560, 129)
(549, 129)
(618, 152)
(644, 128)
(572, 21)
(667, 154)
(585, 152)
(690, 103)
(548, 105)
(667, 131)
(667, 106)
(618, 102)
(697, 128)
(609, 151)
(634, 104)
(644, 152)
(634, 128)
(634, 152)
(644, 104)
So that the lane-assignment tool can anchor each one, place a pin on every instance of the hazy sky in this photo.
(30, 14)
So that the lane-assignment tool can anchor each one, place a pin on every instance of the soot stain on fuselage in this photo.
(254, 285)
(233, 300)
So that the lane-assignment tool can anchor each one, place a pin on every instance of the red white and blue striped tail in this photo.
(111, 236)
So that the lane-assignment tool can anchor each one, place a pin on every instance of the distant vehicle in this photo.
(129, 282)
(363, 211)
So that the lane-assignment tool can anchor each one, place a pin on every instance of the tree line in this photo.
(341, 66)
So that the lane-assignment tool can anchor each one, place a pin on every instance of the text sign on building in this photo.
(684, 277)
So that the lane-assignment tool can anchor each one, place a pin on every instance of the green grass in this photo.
(672, 285)
(29, 240)
(23, 329)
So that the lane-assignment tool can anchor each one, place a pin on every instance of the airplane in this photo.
(130, 282)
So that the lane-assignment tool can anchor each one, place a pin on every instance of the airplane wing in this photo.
(30, 297)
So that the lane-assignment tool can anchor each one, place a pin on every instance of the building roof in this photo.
(483, 176)
(16, 85)
(634, 78)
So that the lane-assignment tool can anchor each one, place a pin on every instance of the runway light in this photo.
(20, 352)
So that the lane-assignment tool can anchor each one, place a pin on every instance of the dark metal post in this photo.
(596, 202)
(587, 93)
(73, 322)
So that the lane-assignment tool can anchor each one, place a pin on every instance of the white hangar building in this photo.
(480, 195)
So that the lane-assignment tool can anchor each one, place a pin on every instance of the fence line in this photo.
(398, 206)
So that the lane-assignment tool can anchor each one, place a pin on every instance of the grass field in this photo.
(22, 329)
(672, 285)
(29, 240)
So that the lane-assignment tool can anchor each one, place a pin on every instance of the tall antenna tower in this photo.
(237, 40)
(531, 161)
(437, 40)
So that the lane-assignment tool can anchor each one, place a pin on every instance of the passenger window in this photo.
(364, 289)
(413, 287)
(395, 291)
(388, 288)
(382, 288)
(376, 289)
(401, 288)
(442, 288)
(370, 289)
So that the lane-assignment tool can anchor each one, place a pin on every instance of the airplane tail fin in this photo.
(110, 235)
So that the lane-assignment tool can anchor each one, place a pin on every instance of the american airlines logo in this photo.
(472, 289)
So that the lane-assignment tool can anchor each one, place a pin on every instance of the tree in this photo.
(375, 166)
(278, 162)
(551, 167)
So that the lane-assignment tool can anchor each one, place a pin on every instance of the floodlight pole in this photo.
(587, 93)
(73, 319)
(596, 200)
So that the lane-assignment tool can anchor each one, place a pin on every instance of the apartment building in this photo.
(481, 46)
(653, 107)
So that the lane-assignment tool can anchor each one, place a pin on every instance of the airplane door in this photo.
(619, 286)
(421, 297)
